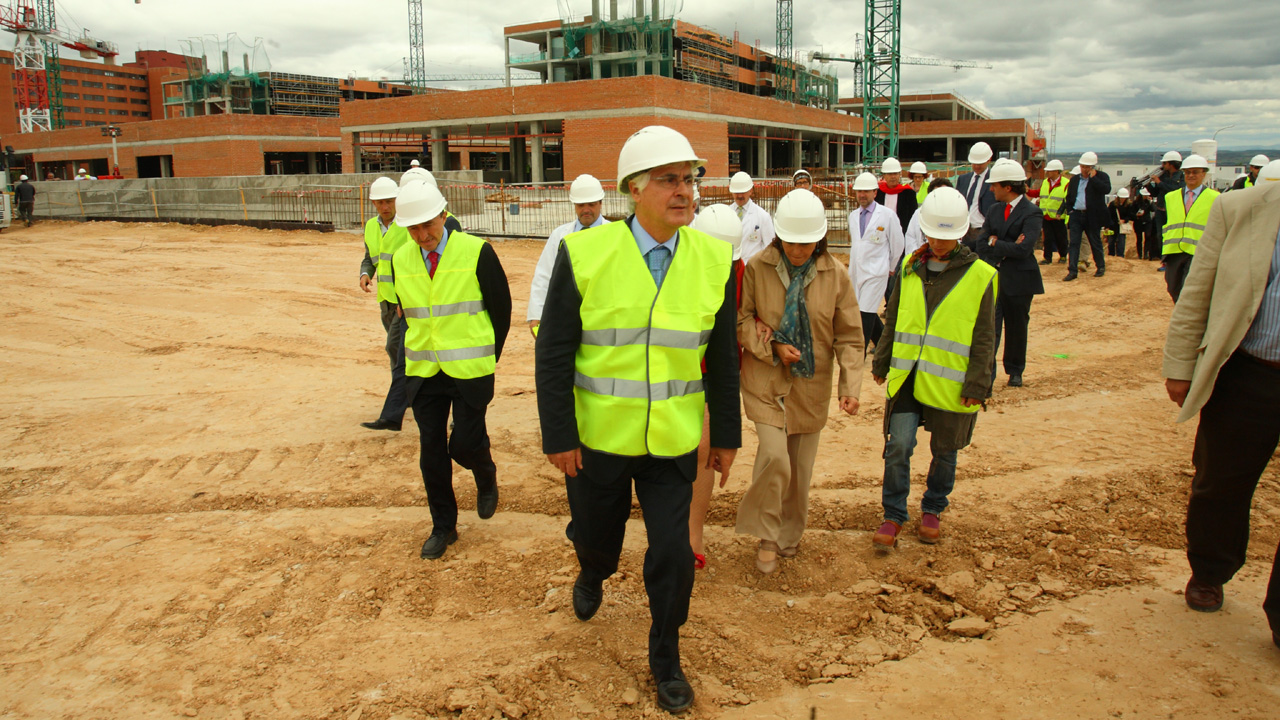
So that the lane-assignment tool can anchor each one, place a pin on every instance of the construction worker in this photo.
(1188, 210)
(919, 173)
(587, 196)
(414, 163)
(936, 361)
(973, 185)
(454, 294)
(757, 227)
(899, 198)
(1140, 212)
(1053, 190)
(382, 238)
(1162, 182)
(83, 174)
(1086, 206)
(802, 180)
(875, 249)
(25, 193)
(621, 387)
(1011, 228)
(1256, 163)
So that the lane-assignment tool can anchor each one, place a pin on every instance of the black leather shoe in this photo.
(487, 503)
(435, 545)
(382, 424)
(1046, 262)
(675, 695)
(1203, 597)
(1015, 381)
(586, 598)
(1069, 277)
(1100, 272)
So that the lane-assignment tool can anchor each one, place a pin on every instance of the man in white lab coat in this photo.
(875, 253)
(757, 226)
(587, 196)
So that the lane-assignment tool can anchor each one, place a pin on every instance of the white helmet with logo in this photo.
(944, 215)
(650, 147)
(1269, 172)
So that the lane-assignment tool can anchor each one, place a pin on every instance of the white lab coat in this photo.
(757, 229)
(873, 255)
(547, 262)
(914, 237)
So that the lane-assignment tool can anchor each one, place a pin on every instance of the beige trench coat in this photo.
(770, 394)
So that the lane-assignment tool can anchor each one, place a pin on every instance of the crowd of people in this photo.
(644, 364)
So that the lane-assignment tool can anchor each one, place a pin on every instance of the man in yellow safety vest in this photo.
(940, 327)
(454, 296)
(632, 311)
(1053, 192)
(1187, 213)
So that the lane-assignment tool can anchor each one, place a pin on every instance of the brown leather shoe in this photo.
(767, 557)
(930, 528)
(886, 538)
(1203, 597)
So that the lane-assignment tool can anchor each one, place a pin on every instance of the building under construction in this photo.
(640, 41)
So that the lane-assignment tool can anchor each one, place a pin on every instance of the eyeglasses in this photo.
(672, 181)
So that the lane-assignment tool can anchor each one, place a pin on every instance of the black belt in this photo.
(1260, 361)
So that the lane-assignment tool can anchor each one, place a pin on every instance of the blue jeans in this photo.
(897, 470)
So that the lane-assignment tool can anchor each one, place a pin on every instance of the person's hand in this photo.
(786, 353)
(879, 380)
(720, 460)
(969, 402)
(1020, 239)
(764, 332)
(399, 312)
(366, 284)
(1177, 390)
(533, 324)
(991, 241)
(568, 462)
(849, 405)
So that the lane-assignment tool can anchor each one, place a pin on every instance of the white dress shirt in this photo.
(546, 262)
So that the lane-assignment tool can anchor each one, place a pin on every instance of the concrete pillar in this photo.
(312, 167)
(357, 156)
(840, 153)
(797, 151)
(439, 150)
(535, 151)
(955, 111)
(166, 164)
(951, 149)
(517, 159)
(1013, 148)
(762, 154)
(825, 160)
(506, 43)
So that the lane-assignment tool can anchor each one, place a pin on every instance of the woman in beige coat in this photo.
(804, 297)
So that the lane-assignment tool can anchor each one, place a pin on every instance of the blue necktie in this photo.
(657, 259)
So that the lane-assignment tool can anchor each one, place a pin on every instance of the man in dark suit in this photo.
(975, 189)
(1010, 231)
(1087, 205)
(621, 388)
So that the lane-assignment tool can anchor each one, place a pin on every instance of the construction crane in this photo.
(37, 71)
(416, 64)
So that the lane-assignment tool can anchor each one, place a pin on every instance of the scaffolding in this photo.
(706, 58)
(224, 88)
(306, 95)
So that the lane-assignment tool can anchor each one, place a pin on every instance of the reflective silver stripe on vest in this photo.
(637, 389)
(619, 337)
(902, 363)
(422, 313)
(386, 278)
(907, 338)
(951, 346)
(1186, 225)
(439, 356)
(468, 306)
(943, 372)
(385, 256)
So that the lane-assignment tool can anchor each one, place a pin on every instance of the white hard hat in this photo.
(891, 165)
(944, 215)
(1053, 165)
(384, 188)
(1259, 161)
(585, 189)
(414, 163)
(81, 171)
(650, 147)
(866, 181)
(1171, 156)
(722, 223)
(1124, 193)
(740, 183)
(1269, 172)
(1195, 161)
(800, 217)
(1089, 158)
(919, 168)
(980, 153)
(419, 202)
(1075, 170)
(1144, 191)
(800, 172)
(1007, 171)
(22, 177)
(418, 174)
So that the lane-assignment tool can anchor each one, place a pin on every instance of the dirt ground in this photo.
(192, 523)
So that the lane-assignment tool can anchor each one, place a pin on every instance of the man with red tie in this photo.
(454, 294)
(1007, 242)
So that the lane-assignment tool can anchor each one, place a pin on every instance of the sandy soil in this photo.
(193, 524)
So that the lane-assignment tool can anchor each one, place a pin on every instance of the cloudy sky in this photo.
(1117, 75)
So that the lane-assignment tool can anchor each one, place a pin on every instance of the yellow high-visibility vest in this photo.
(1051, 201)
(381, 249)
(921, 193)
(449, 327)
(638, 370)
(1183, 229)
(937, 346)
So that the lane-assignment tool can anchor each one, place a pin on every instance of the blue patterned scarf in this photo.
(794, 330)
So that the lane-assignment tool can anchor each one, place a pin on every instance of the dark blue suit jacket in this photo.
(986, 200)
(1019, 271)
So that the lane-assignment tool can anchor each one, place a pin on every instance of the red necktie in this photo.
(434, 257)
(1007, 208)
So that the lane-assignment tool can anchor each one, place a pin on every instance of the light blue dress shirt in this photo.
(1263, 338)
(439, 249)
(1080, 186)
